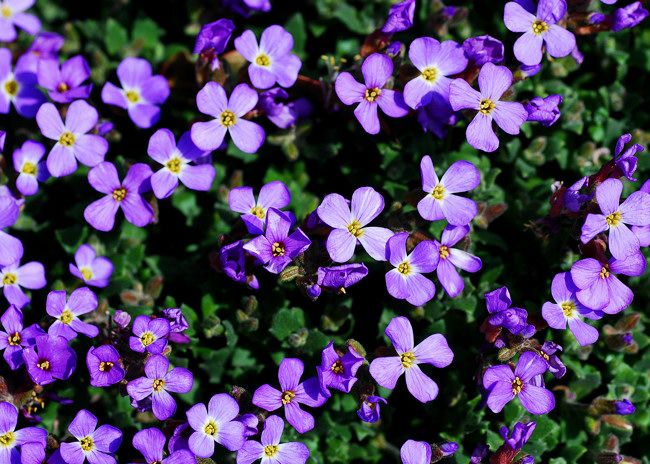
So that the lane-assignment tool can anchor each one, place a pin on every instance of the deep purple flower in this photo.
(626, 160)
(280, 112)
(400, 17)
(615, 217)
(95, 444)
(514, 319)
(149, 334)
(11, 249)
(370, 410)
(277, 248)
(435, 61)
(46, 46)
(553, 361)
(176, 161)
(158, 382)
(624, 407)
(14, 277)
(232, 258)
(31, 170)
(503, 385)
(64, 83)
(293, 394)
(12, 439)
(216, 423)
(12, 15)
(91, 269)
(448, 448)
(629, 16)
(126, 195)
(247, 7)
(520, 435)
(151, 444)
(104, 365)
(228, 117)
(436, 115)
(271, 61)
(415, 452)
(377, 69)
(349, 222)
(15, 337)
(272, 195)
(141, 94)
(432, 350)
(452, 258)
(180, 438)
(405, 281)
(573, 199)
(66, 311)
(212, 40)
(567, 309)
(530, 71)
(49, 359)
(539, 28)
(270, 450)
(544, 110)
(18, 87)
(600, 289)
(338, 370)
(493, 82)
(483, 49)
(73, 140)
(177, 325)
(341, 277)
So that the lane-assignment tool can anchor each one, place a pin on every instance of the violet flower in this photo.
(11, 249)
(151, 444)
(13, 278)
(553, 361)
(520, 435)
(18, 87)
(573, 199)
(46, 46)
(91, 269)
(270, 450)
(12, 15)
(544, 110)
(104, 366)
(502, 314)
(212, 40)
(280, 112)
(272, 195)
(15, 337)
(30, 168)
(12, 439)
(642, 232)
(66, 311)
(628, 16)
(370, 410)
(149, 335)
(626, 160)
(400, 17)
(483, 49)
(436, 115)
(177, 325)
(232, 258)
(95, 444)
(64, 83)
(415, 452)
(452, 258)
(34, 453)
(216, 423)
(338, 370)
(49, 359)
(341, 277)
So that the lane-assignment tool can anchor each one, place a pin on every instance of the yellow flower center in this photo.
(568, 308)
(43, 365)
(67, 139)
(9, 279)
(604, 272)
(270, 450)
(278, 249)
(372, 94)
(444, 252)
(119, 194)
(539, 27)
(228, 118)
(407, 359)
(517, 386)
(106, 366)
(262, 60)
(613, 219)
(337, 367)
(288, 396)
(7, 439)
(211, 428)
(174, 165)
(14, 339)
(62, 87)
(438, 192)
(258, 211)
(158, 385)
(28, 168)
(404, 268)
(12, 87)
(486, 106)
(87, 444)
(355, 228)
(5, 11)
(66, 316)
(430, 74)
(147, 338)
(133, 96)
(86, 272)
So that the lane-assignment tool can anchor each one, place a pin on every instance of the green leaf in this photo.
(116, 37)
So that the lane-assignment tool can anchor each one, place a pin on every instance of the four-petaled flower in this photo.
(66, 311)
(31, 170)
(151, 444)
(64, 82)
(95, 444)
(14, 277)
(338, 370)
(272, 195)
(11, 439)
(149, 334)
(270, 450)
(216, 423)
(452, 258)
(104, 365)
(49, 359)
(93, 270)
(15, 337)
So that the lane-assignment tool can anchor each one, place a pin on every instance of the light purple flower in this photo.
(11, 249)
(405, 281)
(15, 337)
(66, 311)
(91, 269)
(270, 450)
(539, 28)
(281, 112)
(349, 221)
(338, 370)
(341, 277)
(13, 278)
(141, 94)
(49, 359)
(126, 195)
(151, 444)
(64, 83)
(626, 160)
(12, 439)
(377, 69)
(271, 61)
(46, 46)
(493, 82)
(31, 170)
(293, 394)
(615, 217)
(176, 161)
(400, 17)
(104, 366)
(95, 444)
(503, 385)
(440, 201)
(73, 141)
(12, 15)
(503, 314)
(272, 195)
(149, 335)
(483, 49)
(370, 410)
(544, 110)
(452, 258)
(18, 87)
(34, 453)
(629, 16)
(228, 117)
(432, 350)
(216, 423)
(212, 40)
(415, 452)
(641, 232)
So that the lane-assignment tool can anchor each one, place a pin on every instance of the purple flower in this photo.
(177, 325)
(555, 365)
(246, 7)
(13, 277)
(483, 49)
(15, 338)
(104, 365)
(520, 435)
(338, 370)
(281, 113)
(432, 350)
(122, 319)
(158, 382)
(46, 46)
(95, 444)
(271, 61)
(228, 117)
(31, 170)
(126, 195)
(600, 289)
(540, 29)
(624, 407)
(233, 263)
(49, 359)
(503, 315)
(212, 40)
(435, 61)
(573, 199)
(11, 439)
(272, 195)
(567, 309)
(92, 270)
(440, 201)
(73, 142)
(66, 311)
(370, 409)
(34, 453)
(270, 449)
(627, 161)
(176, 164)
(340, 277)
(405, 281)
(530, 71)
(276, 248)
(216, 423)
(544, 110)
(436, 115)
(641, 232)
(11, 249)
(250, 422)
(151, 444)
(349, 223)
(452, 258)
(64, 82)
(503, 385)
(12, 14)
(377, 69)
(615, 217)
(400, 17)
(415, 452)
(493, 81)
(18, 87)
(141, 94)
(629, 16)
(292, 395)
(149, 335)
